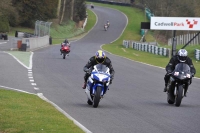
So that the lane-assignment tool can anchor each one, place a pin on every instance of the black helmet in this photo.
(66, 41)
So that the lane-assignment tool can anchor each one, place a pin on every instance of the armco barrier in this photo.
(146, 47)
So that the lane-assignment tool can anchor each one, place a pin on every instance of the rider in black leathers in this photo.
(180, 57)
(99, 57)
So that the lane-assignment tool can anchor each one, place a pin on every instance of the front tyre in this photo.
(64, 55)
(179, 95)
(169, 100)
(97, 97)
(170, 96)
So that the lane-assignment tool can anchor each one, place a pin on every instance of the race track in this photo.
(135, 102)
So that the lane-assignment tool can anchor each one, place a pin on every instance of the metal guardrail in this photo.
(42, 28)
(197, 54)
(146, 47)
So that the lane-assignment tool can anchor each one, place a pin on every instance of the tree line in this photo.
(26, 12)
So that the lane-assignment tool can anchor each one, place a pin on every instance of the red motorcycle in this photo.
(65, 50)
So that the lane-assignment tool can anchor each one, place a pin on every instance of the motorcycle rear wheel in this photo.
(179, 96)
(96, 98)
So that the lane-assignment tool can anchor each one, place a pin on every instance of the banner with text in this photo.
(175, 23)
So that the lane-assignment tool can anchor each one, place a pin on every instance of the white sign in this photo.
(175, 23)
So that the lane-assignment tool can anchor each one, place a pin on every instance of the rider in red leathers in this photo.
(65, 42)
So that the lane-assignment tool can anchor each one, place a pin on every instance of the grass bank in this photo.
(61, 32)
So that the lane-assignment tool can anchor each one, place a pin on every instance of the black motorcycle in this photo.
(178, 84)
(92, 6)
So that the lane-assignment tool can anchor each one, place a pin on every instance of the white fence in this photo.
(183, 39)
(146, 47)
(197, 54)
(31, 43)
(36, 42)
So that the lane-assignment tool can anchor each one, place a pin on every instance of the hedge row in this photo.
(4, 24)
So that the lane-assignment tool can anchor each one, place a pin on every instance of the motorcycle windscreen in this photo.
(101, 68)
(181, 70)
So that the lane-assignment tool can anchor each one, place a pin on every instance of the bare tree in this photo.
(63, 11)
(72, 10)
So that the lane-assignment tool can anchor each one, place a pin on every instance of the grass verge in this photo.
(59, 33)
(27, 113)
(23, 57)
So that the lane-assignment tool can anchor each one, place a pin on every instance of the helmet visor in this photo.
(100, 60)
(182, 58)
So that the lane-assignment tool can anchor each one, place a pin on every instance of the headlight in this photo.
(176, 73)
(105, 81)
(188, 75)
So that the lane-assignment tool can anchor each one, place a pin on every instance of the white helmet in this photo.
(182, 55)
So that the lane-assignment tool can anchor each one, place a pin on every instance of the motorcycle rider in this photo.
(108, 23)
(65, 42)
(100, 57)
(105, 26)
(180, 57)
(92, 6)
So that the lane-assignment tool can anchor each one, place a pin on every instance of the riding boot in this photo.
(165, 88)
(186, 90)
(84, 85)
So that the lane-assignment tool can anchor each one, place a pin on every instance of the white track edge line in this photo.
(63, 112)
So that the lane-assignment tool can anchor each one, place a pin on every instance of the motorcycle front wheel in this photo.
(97, 97)
(179, 95)
(64, 55)
(169, 100)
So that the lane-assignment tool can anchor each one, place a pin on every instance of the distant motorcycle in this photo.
(106, 27)
(65, 49)
(92, 6)
(97, 84)
(178, 84)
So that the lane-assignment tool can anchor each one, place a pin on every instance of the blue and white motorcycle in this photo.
(97, 84)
